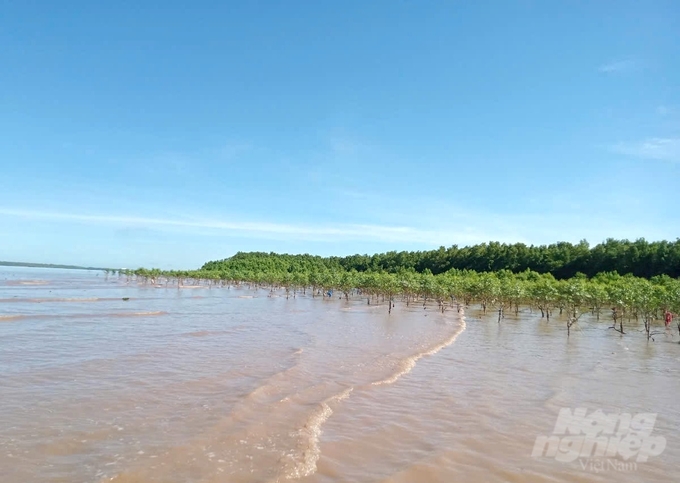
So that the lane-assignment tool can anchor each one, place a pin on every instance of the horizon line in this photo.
(67, 266)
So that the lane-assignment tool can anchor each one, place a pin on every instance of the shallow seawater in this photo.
(234, 385)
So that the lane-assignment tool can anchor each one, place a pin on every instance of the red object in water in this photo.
(669, 318)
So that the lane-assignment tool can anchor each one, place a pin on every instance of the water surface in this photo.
(234, 385)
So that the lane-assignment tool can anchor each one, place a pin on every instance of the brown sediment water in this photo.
(25, 282)
(90, 315)
(47, 300)
(170, 388)
(11, 317)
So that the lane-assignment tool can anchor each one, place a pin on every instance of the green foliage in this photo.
(506, 278)
(562, 260)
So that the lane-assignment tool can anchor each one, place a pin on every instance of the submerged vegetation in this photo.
(499, 278)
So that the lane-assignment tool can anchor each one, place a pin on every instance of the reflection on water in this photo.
(233, 385)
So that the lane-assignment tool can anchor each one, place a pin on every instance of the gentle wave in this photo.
(268, 392)
(25, 282)
(203, 333)
(47, 300)
(269, 385)
(305, 462)
(409, 363)
(309, 451)
(11, 317)
(138, 314)
(8, 318)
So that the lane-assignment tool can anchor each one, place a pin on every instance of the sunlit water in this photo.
(232, 385)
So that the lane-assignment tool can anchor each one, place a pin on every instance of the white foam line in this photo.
(409, 363)
(312, 429)
(310, 455)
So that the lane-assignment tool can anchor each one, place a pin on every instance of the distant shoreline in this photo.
(47, 265)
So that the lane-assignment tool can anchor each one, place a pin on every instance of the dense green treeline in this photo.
(563, 260)
(273, 262)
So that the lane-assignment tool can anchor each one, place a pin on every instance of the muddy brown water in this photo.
(217, 385)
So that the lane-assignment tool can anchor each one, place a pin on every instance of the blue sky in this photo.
(167, 133)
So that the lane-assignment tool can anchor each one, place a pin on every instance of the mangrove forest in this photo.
(625, 281)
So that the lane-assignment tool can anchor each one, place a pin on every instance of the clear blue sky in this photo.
(167, 133)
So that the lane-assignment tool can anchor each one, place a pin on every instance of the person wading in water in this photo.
(669, 318)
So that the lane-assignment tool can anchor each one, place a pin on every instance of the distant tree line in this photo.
(562, 260)
(47, 265)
